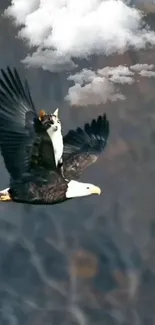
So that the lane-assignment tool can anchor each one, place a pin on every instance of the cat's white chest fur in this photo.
(57, 140)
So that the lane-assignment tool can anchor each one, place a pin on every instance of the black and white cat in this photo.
(53, 128)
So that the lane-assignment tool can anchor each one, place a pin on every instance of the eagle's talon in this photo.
(5, 197)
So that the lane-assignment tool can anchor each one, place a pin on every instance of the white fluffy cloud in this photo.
(98, 87)
(98, 91)
(66, 29)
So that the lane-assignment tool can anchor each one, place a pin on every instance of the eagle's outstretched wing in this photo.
(19, 124)
(83, 146)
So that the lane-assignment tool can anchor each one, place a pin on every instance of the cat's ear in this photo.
(42, 113)
(56, 112)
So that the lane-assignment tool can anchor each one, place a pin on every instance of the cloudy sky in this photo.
(77, 31)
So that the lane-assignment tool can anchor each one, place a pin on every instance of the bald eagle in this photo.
(28, 152)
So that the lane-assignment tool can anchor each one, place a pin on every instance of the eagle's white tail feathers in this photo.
(5, 196)
(5, 191)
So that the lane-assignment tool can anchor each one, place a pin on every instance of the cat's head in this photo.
(51, 121)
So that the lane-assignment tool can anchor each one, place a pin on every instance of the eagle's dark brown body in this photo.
(44, 190)
(28, 152)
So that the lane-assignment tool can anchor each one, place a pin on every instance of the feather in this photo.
(83, 146)
(20, 127)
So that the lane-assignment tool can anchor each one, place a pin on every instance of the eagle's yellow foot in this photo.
(5, 197)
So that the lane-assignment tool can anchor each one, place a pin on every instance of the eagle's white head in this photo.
(78, 189)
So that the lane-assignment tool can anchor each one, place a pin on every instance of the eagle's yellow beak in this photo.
(96, 190)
